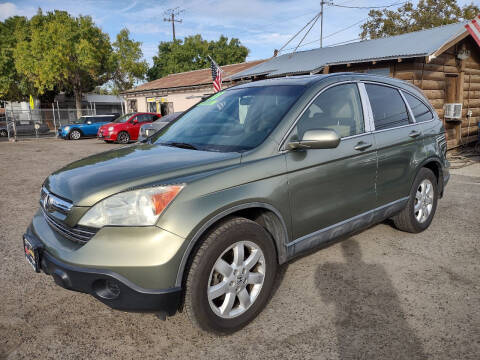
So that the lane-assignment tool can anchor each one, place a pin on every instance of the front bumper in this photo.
(106, 135)
(107, 286)
(141, 264)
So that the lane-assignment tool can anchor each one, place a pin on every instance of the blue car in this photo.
(86, 126)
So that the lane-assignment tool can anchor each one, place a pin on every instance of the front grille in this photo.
(77, 234)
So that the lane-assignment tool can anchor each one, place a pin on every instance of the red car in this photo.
(125, 128)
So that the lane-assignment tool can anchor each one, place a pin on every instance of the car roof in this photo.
(309, 80)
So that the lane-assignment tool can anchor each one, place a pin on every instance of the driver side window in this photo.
(338, 108)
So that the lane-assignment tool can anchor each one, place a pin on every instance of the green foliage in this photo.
(13, 85)
(128, 64)
(407, 18)
(64, 52)
(192, 54)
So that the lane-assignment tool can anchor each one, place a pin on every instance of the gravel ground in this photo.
(381, 294)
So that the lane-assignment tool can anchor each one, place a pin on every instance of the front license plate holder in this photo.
(32, 254)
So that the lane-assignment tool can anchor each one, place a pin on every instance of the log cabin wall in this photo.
(443, 79)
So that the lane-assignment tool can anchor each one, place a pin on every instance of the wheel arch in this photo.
(76, 128)
(434, 164)
(262, 213)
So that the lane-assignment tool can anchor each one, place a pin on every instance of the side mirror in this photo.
(134, 121)
(316, 139)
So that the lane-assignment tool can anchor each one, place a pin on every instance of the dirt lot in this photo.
(380, 294)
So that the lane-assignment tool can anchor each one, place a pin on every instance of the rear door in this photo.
(328, 186)
(399, 142)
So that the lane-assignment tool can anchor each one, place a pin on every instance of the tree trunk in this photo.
(78, 102)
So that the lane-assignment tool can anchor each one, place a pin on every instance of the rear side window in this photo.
(420, 111)
(388, 108)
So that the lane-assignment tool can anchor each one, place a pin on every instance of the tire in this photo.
(221, 243)
(422, 204)
(75, 134)
(123, 137)
(477, 147)
(3, 133)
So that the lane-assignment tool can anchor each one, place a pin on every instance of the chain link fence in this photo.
(37, 122)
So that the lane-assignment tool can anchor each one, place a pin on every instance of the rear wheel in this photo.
(74, 135)
(123, 137)
(231, 276)
(422, 204)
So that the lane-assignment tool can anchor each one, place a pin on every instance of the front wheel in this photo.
(75, 135)
(421, 205)
(123, 137)
(231, 276)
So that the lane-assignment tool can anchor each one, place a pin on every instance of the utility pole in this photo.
(321, 22)
(171, 14)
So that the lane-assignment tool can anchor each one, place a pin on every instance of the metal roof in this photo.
(106, 99)
(414, 44)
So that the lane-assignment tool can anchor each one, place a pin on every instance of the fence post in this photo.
(54, 123)
(59, 118)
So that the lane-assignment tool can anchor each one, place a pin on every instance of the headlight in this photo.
(131, 208)
(110, 128)
(66, 128)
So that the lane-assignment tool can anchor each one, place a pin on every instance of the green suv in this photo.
(199, 216)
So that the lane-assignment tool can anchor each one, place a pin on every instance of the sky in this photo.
(261, 25)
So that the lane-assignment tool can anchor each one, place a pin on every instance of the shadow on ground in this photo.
(369, 320)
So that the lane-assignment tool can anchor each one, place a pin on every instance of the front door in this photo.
(328, 186)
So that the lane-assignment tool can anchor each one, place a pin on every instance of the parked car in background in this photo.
(126, 128)
(149, 129)
(30, 127)
(85, 126)
(201, 217)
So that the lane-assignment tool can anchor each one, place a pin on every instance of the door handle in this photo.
(362, 146)
(414, 134)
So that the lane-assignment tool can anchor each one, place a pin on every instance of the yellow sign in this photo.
(32, 104)
(150, 99)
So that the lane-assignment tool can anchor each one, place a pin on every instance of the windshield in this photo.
(123, 118)
(232, 120)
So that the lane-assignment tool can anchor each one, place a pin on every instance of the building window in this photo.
(132, 105)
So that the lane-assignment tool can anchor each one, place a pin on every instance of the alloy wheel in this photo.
(123, 138)
(423, 201)
(236, 279)
(75, 135)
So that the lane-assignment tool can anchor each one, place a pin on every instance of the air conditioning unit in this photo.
(453, 111)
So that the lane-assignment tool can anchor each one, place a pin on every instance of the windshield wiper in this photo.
(180, 145)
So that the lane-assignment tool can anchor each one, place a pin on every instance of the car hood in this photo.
(89, 180)
(106, 126)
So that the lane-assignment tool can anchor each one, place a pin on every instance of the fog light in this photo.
(106, 289)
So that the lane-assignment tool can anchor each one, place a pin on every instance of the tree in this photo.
(127, 62)
(192, 54)
(13, 85)
(66, 53)
(407, 18)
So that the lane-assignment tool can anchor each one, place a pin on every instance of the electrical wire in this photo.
(303, 38)
(366, 7)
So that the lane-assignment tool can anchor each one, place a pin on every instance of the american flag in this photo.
(473, 28)
(216, 75)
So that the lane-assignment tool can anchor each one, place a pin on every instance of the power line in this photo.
(330, 35)
(310, 28)
(294, 36)
(366, 7)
